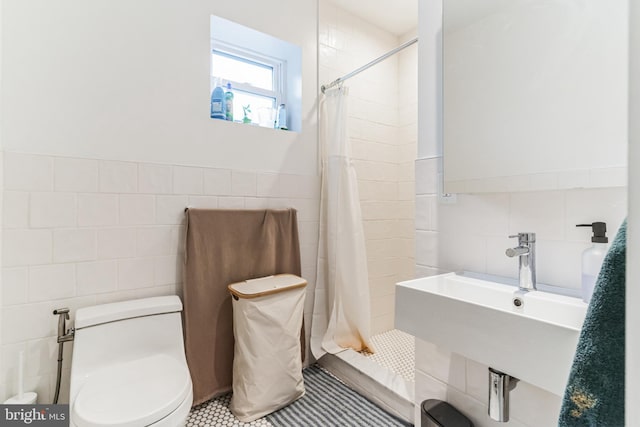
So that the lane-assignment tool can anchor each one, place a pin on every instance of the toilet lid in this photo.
(132, 394)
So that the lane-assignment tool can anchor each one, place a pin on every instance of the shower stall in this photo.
(381, 68)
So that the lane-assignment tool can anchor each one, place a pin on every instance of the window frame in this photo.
(278, 66)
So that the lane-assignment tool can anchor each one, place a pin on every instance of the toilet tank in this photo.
(114, 333)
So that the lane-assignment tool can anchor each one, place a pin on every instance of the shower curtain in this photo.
(341, 313)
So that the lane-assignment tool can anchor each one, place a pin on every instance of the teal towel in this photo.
(595, 391)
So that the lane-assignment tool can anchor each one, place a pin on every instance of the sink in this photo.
(534, 341)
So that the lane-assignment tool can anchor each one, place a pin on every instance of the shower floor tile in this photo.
(395, 350)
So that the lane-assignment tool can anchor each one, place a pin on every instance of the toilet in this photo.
(129, 367)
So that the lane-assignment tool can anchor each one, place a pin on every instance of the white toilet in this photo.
(128, 367)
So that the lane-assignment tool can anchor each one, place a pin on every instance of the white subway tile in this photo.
(573, 179)
(153, 241)
(52, 282)
(382, 323)
(97, 209)
(170, 209)
(378, 191)
(187, 180)
(441, 364)
(217, 182)
(428, 387)
(299, 186)
(118, 177)
(497, 262)
(178, 238)
(14, 286)
(9, 354)
(427, 248)
(42, 354)
(423, 213)
(26, 247)
(155, 291)
(203, 202)
(268, 185)
(231, 202)
(308, 209)
(75, 175)
(480, 215)
(462, 252)
(15, 213)
(559, 263)
(97, 277)
(477, 380)
(28, 172)
(476, 411)
(52, 210)
(74, 245)
(118, 296)
(34, 320)
(256, 203)
(135, 209)
(608, 177)
(534, 406)
(154, 179)
(542, 213)
(243, 183)
(116, 243)
(427, 176)
(380, 228)
(135, 273)
(168, 270)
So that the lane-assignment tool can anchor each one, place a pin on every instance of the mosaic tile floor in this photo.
(395, 350)
(215, 413)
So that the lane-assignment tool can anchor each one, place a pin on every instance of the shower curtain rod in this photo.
(370, 64)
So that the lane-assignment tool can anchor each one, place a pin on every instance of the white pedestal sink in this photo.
(478, 319)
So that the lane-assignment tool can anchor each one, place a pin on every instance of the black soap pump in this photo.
(593, 257)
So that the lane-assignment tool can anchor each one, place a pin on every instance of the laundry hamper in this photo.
(267, 368)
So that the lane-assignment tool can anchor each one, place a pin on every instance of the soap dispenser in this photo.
(593, 257)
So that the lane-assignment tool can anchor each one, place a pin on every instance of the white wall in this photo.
(472, 235)
(96, 182)
(130, 81)
(383, 148)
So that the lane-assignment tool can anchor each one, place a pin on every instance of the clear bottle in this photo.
(281, 118)
(218, 103)
(228, 99)
(593, 257)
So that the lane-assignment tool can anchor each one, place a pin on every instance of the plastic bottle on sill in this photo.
(228, 99)
(281, 118)
(218, 103)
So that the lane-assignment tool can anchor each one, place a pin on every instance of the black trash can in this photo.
(437, 413)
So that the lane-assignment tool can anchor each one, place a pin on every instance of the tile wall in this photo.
(383, 146)
(77, 232)
(471, 234)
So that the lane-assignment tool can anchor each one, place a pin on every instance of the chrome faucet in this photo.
(526, 252)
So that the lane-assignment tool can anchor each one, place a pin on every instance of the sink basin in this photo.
(534, 341)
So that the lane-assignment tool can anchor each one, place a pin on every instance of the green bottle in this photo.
(228, 99)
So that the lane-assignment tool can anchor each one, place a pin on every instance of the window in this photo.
(264, 72)
(256, 81)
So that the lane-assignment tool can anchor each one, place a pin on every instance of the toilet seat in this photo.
(132, 394)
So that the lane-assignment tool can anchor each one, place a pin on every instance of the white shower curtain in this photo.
(341, 313)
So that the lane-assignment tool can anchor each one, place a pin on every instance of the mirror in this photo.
(535, 94)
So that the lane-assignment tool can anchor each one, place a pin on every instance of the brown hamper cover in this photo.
(223, 247)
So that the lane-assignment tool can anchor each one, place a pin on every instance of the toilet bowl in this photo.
(129, 367)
